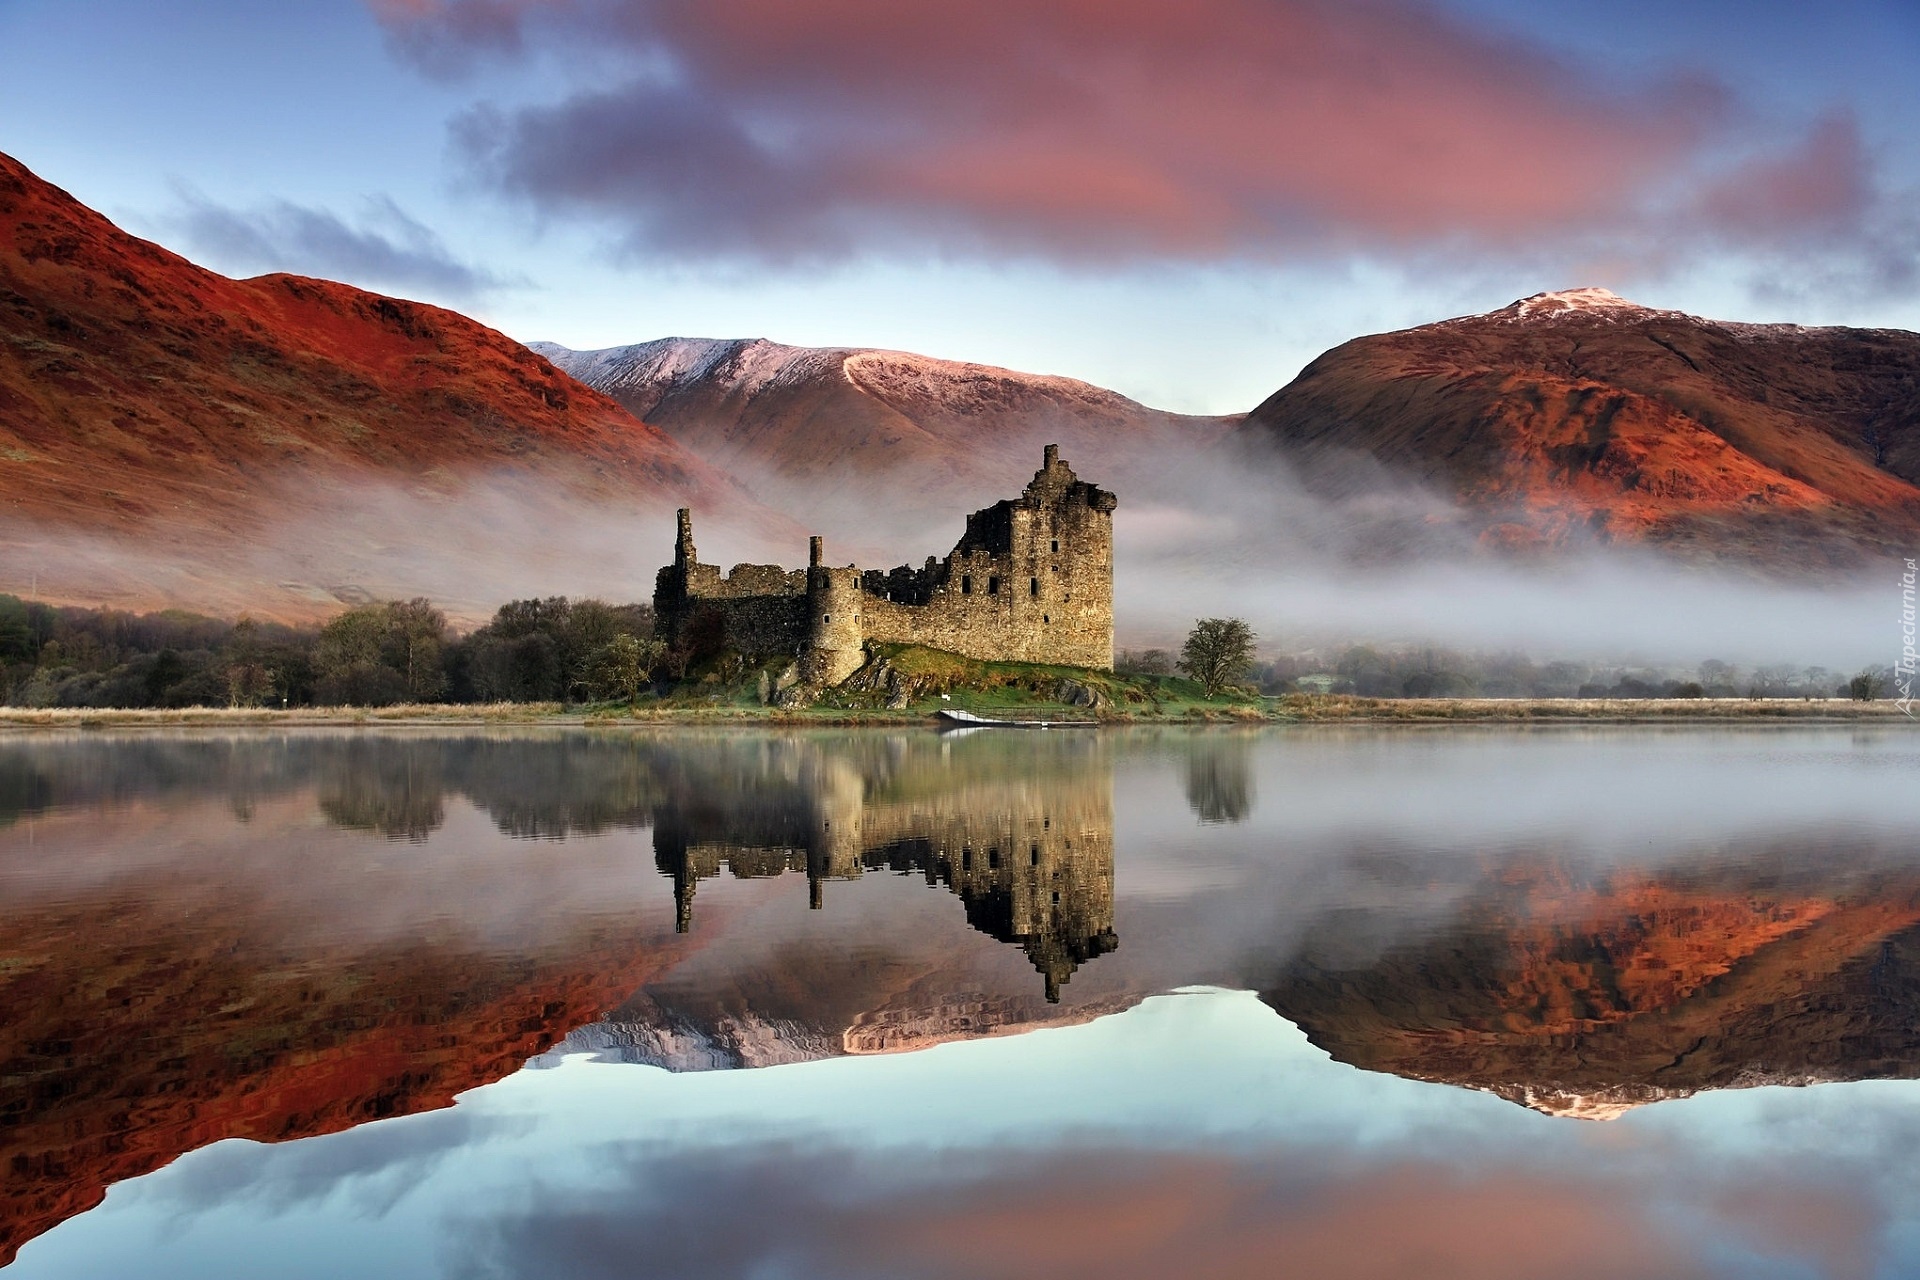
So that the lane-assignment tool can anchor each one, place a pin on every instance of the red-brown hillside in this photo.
(1575, 415)
(1586, 999)
(232, 1044)
(140, 393)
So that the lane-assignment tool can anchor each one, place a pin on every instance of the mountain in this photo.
(1579, 416)
(1587, 1000)
(895, 999)
(159, 405)
(1558, 422)
(213, 940)
(223, 992)
(280, 445)
(819, 427)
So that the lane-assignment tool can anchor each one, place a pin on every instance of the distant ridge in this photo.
(849, 424)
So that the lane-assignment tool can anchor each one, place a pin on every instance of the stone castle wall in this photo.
(763, 607)
(1031, 580)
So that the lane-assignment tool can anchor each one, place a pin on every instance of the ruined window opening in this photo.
(993, 586)
(966, 859)
(1046, 618)
(1036, 855)
(826, 617)
(1033, 586)
(993, 859)
(1056, 546)
(1056, 897)
(966, 584)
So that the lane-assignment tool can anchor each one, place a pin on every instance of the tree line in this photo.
(547, 650)
(1430, 672)
(561, 650)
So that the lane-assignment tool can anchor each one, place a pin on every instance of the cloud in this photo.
(1822, 198)
(387, 249)
(1107, 1212)
(1096, 132)
(1824, 183)
(444, 38)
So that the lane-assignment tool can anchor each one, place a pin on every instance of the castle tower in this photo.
(1070, 542)
(683, 552)
(835, 634)
(672, 585)
(1048, 557)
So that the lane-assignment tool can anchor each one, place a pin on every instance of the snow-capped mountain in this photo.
(827, 425)
(1590, 301)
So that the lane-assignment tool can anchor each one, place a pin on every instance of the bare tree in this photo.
(1868, 685)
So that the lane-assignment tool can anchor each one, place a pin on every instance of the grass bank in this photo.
(905, 684)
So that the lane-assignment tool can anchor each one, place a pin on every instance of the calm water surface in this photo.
(1333, 1002)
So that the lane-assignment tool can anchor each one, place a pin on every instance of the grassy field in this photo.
(908, 684)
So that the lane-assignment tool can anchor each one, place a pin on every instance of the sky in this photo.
(1183, 201)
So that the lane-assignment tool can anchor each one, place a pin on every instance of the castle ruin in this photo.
(1024, 840)
(1031, 580)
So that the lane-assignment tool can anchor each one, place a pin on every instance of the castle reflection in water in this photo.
(1028, 850)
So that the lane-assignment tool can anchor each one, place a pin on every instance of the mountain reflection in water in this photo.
(1583, 997)
(201, 941)
(278, 935)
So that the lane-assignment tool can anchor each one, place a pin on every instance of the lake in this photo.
(1342, 1002)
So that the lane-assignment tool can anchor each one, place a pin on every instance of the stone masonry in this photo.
(1031, 580)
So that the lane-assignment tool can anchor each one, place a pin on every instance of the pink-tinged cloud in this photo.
(1135, 1215)
(1101, 130)
(1825, 184)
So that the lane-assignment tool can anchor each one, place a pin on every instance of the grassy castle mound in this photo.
(912, 681)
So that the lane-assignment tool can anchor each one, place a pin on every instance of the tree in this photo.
(167, 670)
(544, 650)
(249, 680)
(1370, 672)
(248, 684)
(1867, 686)
(623, 666)
(347, 661)
(1217, 652)
(416, 633)
(1148, 662)
(17, 643)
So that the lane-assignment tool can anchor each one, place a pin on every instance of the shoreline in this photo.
(1291, 709)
